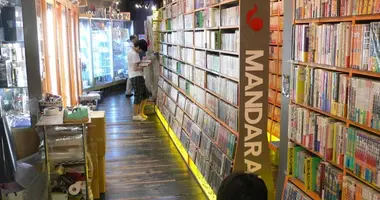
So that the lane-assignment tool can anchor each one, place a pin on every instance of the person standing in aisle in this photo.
(128, 92)
(136, 76)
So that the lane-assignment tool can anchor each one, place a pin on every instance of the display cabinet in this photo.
(86, 52)
(14, 68)
(121, 30)
(47, 58)
(102, 51)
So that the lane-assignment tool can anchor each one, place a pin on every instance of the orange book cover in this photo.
(358, 7)
(364, 7)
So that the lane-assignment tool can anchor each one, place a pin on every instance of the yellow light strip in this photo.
(202, 181)
(197, 174)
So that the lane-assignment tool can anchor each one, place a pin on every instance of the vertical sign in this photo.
(253, 151)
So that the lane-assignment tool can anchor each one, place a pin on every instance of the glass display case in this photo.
(46, 58)
(13, 72)
(102, 60)
(14, 103)
(103, 51)
(121, 30)
(85, 52)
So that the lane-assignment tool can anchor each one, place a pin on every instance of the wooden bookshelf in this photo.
(351, 73)
(317, 154)
(275, 73)
(360, 179)
(276, 11)
(204, 87)
(203, 108)
(342, 119)
(183, 42)
(302, 186)
(338, 19)
(202, 68)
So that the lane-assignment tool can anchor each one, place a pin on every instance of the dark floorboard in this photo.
(141, 160)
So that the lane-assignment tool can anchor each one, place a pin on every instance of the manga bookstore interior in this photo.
(174, 99)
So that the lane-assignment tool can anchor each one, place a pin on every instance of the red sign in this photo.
(255, 23)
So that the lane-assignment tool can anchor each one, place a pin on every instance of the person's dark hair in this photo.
(142, 44)
(132, 37)
(242, 186)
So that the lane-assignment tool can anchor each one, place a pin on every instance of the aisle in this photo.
(141, 160)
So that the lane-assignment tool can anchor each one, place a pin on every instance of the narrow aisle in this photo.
(142, 161)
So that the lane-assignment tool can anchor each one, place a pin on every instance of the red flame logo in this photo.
(255, 23)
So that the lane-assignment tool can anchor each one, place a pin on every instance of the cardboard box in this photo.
(92, 148)
(26, 142)
(102, 174)
(97, 131)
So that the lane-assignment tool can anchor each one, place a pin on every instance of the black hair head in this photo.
(132, 37)
(142, 44)
(242, 186)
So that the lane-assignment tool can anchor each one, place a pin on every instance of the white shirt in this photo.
(133, 58)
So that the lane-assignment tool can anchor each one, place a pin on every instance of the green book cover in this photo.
(218, 44)
(311, 165)
(296, 156)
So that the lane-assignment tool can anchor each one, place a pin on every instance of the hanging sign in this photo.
(253, 151)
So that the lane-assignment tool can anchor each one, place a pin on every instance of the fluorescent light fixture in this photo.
(137, 6)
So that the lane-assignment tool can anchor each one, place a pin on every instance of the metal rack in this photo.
(46, 122)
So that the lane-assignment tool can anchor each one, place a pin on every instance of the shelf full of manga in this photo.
(333, 130)
(202, 94)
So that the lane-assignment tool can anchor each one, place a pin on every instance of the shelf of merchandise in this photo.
(302, 187)
(202, 68)
(202, 107)
(114, 32)
(317, 154)
(34, 70)
(276, 11)
(47, 125)
(201, 180)
(356, 19)
(173, 80)
(188, 115)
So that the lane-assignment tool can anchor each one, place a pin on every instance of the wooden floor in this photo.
(141, 161)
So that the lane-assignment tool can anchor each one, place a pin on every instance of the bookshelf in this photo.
(275, 73)
(204, 96)
(333, 128)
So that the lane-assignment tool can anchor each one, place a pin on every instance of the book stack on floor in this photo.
(334, 127)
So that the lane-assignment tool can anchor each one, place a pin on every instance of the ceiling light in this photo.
(137, 6)
(154, 8)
